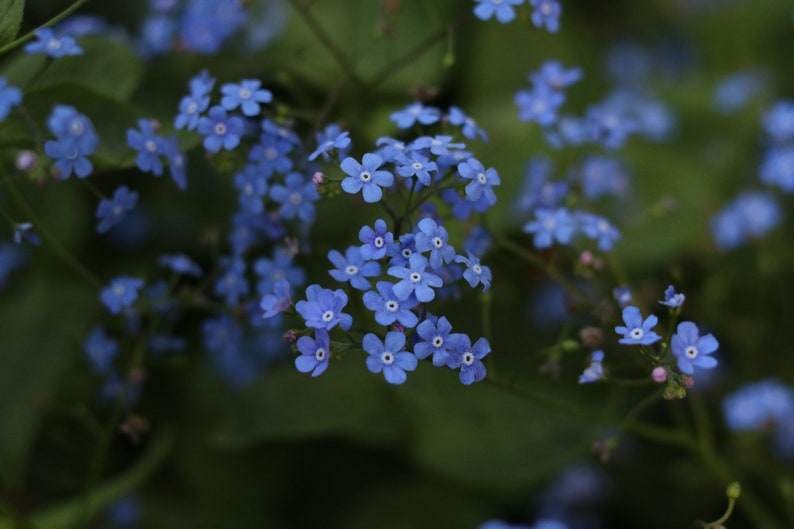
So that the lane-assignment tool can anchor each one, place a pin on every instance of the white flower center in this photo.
(415, 277)
(549, 224)
(351, 270)
(437, 242)
(76, 128)
(438, 341)
(378, 242)
(192, 108)
(118, 290)
(407, 253)
(636, 333)
(220, 129)
(320, 354)
(392, 306)
(546, 8)
(482, 179)
(328, 315)
(477, 269)
(271, 153)
(417, 166)
(691, 352)
(365, 176)
(387, 358)
(151, 146)
(245, 93)
(468, 358)
(296, 198)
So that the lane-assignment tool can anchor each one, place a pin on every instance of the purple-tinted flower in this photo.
(315, 353)
(121, 293)
(415, 279)
(100, 350)
(220, 131)
(468, 359)
(671, 299)
(247, 95)
(418, 165)
(389, 356)
(365, 177)
(691, 349)
(551, 225)
(414, 112)
(502, 9)
(323, 308)
(54, 47)
(388, 308)
(552, 74)
(232, 284)
(111, 212)
(637, 331)
(599, 229)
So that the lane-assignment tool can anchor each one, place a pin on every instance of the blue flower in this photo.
(54, 47)
(251, 186)
(121, 293)
(758, 405)
(671, 299)
(469, 129)
(546, 13)
(779, 121)
(636, 331)
(388, 308)
(75, 139)
(11, 258)
(149, 146)
(280, 267)
(482, 180)
(691, 349)
(220, 131)
(415, 280)
(180, 264)
(622, 295)
(778, 168)
(191, 106)
(376, 241)
(502, 9)
(551, 225)
(9, 96)
(594, 371)
(111, 212)
(468, 359)
(279, 301)
(598, 228)
(271, 153)
(434, 238)
(540, 104)
(436, 340)
(332, 138)
(232, 284)
(475, 273)
(609, 126)
(24, 232)
(352, 268)
(602, 175)
(365, 177)
(323, 308)
(552, 74)
(415, 164)
(439, 145)
(315, 353)
(100, 350)
(733, 92)
(247, 95)
(176, 162)
(296, 196)
(389, 356)
(414, 112)
(751, 215)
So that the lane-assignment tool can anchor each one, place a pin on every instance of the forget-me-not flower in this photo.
(637, 331)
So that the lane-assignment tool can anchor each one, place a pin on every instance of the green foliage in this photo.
(10, 19)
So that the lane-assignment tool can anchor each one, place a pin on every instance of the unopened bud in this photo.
(659, 374)
(26, 160)
(290, 336)
(734, 491)
(318, 178)
(586, 258)
(689, 381)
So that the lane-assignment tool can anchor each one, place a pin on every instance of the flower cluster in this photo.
(763, 406)
(75, 139)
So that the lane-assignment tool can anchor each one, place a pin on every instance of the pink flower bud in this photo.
(586, 258)
(689, 381)
(290, 336)
(659, 374)
(26, 160)
(318, 178)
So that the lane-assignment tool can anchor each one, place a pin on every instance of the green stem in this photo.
(23, 39)
(336, 52)
(59, 249)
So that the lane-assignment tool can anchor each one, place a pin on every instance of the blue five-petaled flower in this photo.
(637, 331)
(389, 356)
(366, 177)
(692, 350)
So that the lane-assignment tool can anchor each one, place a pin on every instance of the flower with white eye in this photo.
(315, 353)
(692, 350)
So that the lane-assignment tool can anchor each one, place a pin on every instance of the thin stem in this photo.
(59, 249)
(336, 52)
(51, 22)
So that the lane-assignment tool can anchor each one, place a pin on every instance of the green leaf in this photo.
(106, 67)
(347, 401)
(10, 19)
(483, 435)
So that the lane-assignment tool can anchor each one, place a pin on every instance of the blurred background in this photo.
(252, 443)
